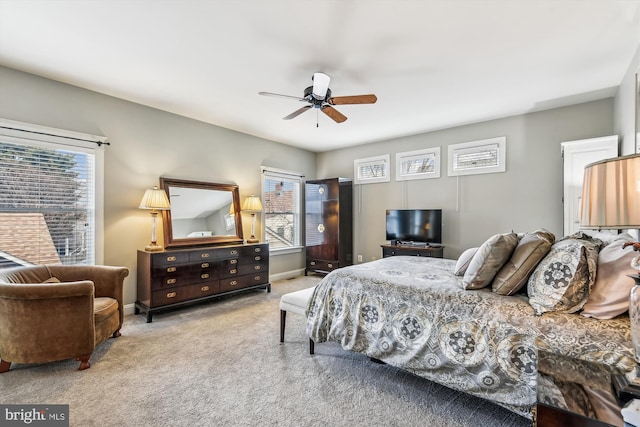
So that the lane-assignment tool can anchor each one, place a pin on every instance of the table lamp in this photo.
(611, 200)
(156, 200)
(252, 204)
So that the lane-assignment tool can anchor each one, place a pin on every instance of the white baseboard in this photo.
(286, 275)
(129, 309)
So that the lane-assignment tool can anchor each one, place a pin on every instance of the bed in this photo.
(413, 313)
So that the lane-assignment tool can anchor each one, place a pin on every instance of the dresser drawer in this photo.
(203, 255)
(250, 250)
(159, 260)
(322, 265)
(230, 284)
(253, 268)
(184, 293)
(226, 253)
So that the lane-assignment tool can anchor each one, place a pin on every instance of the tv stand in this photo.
(415, 249)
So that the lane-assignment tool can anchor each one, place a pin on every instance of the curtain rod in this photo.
(281, 172)
(98, 143)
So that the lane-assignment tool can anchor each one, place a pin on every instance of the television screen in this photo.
(415, 225)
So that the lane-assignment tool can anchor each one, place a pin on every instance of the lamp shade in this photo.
(155, 199)
(611, 194)
(252, 204)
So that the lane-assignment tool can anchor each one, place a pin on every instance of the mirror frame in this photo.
(171, 242)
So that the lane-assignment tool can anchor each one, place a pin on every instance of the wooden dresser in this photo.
(173, 278)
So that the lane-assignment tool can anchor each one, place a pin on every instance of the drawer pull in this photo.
(257, 249)
(257, 267)
(233, 271)
(234, 252)
(171, 295)
(233, 282)
(257, 278)
(312, 263)
(204, 288)
(257, 258)
(171, 281)
(204, 265)
(205, 255)
(233, 261)
(171, 270)
(171, 258)
(204, 276)
(330, 265)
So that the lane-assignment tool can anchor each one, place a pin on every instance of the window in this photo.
(418, 164)
(371, 170)
(281, 195)
(485, 156)
(50, 200)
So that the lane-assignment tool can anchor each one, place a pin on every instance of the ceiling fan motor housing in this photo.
(317, 103)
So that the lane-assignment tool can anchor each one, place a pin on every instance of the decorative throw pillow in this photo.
(488, 259)
(609, 295)
(52, 280)
(562, 280)
(464, 260)
(531, 249)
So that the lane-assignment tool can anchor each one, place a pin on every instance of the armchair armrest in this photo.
(59, 314)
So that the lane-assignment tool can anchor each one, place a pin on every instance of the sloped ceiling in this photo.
(433, 64)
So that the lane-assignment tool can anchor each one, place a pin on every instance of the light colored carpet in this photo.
(221, 363)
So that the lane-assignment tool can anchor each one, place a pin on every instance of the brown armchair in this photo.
(57, 312)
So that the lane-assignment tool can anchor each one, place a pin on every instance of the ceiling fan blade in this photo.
(297, 112)
(297, 98)
(355, 99)
(320, 85)
(333, 113)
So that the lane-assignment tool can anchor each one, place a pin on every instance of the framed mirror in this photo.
(202, 213)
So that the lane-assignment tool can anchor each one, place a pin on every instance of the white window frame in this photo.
(376, 161)
(419, 155)
(269, 172)
(23, 133)
(498, 144)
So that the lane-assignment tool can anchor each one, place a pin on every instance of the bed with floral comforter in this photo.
(413, 313)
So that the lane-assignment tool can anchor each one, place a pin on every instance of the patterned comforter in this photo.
(413, 313)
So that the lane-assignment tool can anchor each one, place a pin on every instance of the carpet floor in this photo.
(221, 363)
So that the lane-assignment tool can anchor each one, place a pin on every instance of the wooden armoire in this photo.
(328, 224)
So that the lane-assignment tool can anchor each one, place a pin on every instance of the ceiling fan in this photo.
(319, 96)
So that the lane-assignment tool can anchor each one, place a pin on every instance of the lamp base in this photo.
(153, 248)
(627, 386)
(252, 239)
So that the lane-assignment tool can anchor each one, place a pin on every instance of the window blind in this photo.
(281, 195)
(47, 204)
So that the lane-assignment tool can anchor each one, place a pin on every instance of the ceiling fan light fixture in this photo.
(320, 85)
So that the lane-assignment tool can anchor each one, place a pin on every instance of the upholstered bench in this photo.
(295, 302)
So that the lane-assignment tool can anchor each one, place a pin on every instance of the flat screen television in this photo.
(414, 225)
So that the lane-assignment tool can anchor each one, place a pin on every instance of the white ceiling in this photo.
(433, 63)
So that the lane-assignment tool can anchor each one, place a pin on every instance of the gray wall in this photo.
(525, 197)
(145, 144)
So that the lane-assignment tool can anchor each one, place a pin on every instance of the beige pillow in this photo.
(531, 249)
(562, 280)
(609, 295)
(463, 261)
(488, 259)
(52, 280)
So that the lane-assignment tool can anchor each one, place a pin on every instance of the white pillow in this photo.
(464, 260)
